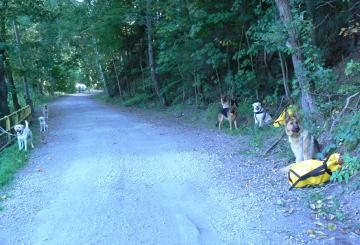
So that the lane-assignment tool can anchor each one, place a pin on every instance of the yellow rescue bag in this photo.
(313, 172)
(281, 119)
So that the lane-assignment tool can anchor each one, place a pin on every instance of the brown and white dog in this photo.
(303, 144)
(43, 129)
(45, 111)
(224, 102)
(228, 112)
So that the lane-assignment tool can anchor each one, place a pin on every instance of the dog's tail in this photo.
(26, 124)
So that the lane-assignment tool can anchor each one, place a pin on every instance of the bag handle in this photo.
(314, 172)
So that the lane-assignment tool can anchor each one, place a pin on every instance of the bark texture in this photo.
(152, 66)
(4, 108)
(307, 100)
(22, 63)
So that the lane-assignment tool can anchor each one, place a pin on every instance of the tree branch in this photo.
(336, 121)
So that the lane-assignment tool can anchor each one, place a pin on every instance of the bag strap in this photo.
(313, 173)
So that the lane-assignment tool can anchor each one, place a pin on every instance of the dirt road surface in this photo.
(109, 176)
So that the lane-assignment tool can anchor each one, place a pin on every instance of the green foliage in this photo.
(212, 112)
(348, 131)
(138, 99)
(352, 68)
(10, 162)
(349, 168)
(325, 206)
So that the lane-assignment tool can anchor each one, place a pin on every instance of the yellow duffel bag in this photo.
(281, 119)
(313, 172)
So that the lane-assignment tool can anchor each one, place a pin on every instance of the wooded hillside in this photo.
(188, 52)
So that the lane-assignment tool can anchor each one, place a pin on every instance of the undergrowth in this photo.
(11, 160)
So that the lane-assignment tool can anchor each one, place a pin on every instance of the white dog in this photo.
(23, 135)
(43, 125)
(46, 111)
(260, 115)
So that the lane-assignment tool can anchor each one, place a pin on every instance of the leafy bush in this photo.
(138, 99)
(212, 111)
(10, 162)
(348, 132)
(350, 168)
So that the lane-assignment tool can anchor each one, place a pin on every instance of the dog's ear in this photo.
(287, 116)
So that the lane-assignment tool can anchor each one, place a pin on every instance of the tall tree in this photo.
(10, 79)
(152, 65)
(4, 107)
(307, 100)
(22, 63)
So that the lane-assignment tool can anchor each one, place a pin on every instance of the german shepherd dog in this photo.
(228, 112)
(224, 102)
(303, 144)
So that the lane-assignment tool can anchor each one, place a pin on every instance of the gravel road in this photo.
(109, 176)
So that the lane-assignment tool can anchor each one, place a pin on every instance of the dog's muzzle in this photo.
(19, 132)
(296, 129)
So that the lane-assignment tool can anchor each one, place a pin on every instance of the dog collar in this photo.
(260, 112)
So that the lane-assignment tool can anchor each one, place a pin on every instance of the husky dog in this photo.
(43, 125)
(228, 113)
(260, 115)
(45, 111)
(23, 135)
(303, 144)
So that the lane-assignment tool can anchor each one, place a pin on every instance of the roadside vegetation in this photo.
(11, 160)
(179, 56)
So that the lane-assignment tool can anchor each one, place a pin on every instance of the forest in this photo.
(277, 52)
(137, 158)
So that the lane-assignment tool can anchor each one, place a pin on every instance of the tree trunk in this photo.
(40, 88)
(142, 74)
(307, 100)
(310, 9)
(117, 79)
(100, 68)
(12, 86)
(52, 86)
(22, 63)
(154, 76)
(4, 107)
(285, 81)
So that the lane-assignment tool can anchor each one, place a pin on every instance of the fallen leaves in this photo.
(331, 227)
(288, 211)
(317, 234)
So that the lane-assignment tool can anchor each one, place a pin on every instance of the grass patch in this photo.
(139, 100)
(326, 206)
(38, 101)
(11, 160)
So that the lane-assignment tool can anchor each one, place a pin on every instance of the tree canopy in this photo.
(181, 51)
